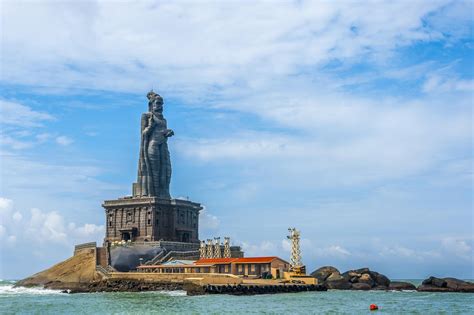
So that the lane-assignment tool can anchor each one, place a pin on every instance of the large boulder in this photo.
(357, 279)
(365, 275)
(379, 279)
(400, 285)
(323, 273)
(433, 284)
(367, 279)
(338, 283)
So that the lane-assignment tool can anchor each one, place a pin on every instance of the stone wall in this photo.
(84, 247)
(176, 277)
(101, 256)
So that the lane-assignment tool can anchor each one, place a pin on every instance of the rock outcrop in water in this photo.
(400, 285)
(433, 284)
(358, 279)
(366, 279)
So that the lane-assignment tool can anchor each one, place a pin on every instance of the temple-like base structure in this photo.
(149, 219)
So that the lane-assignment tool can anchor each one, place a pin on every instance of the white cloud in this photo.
(17, 216)
(441, 84)
(459, 247)
(16, 114)
(44, 228)
(340, 141)
(192, 48)
(264, 248)
(208, 221)
(64, 140)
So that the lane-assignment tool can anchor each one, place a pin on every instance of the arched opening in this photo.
(185, 238)
(126, 236)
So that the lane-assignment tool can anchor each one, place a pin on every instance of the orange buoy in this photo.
(373, 307)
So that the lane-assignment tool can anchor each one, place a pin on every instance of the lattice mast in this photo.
(202, 250)
(227, 253)
(295, 259)
(217, 247)
(209, 249)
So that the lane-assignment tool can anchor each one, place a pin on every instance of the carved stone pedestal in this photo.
(149, 219)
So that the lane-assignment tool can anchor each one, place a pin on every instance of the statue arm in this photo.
(167, 132)
(146, 123)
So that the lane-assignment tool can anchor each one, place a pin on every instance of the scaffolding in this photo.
(209, 249)
(202, 250)
(217, 247)
(227, 253)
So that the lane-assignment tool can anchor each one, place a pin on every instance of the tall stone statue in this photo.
(154, 166)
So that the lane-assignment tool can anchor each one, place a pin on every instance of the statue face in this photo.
(157, 106)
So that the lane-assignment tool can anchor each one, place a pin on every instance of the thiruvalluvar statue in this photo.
(154, 165)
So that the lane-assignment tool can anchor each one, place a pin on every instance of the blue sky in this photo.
(351, 121)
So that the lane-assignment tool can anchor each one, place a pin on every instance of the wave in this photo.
(11, 290)
(174, 293)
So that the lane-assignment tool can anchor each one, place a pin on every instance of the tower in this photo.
(227, 253)
(295, 260)
(209, 249)
(217, 247)
(202, 250)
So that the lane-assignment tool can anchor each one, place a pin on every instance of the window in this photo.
(149, 221)
(252, 267)
(157, 222)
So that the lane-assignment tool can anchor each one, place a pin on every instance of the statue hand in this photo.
(169, 133)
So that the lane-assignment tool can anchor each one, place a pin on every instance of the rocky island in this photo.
(152, 243)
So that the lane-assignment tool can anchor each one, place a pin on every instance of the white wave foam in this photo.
(10, 290)
(173, 293)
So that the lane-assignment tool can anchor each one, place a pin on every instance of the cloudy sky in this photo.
(351, 121)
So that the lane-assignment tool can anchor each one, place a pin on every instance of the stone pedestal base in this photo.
(148, 219)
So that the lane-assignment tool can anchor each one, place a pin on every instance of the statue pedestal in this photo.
(149, 219)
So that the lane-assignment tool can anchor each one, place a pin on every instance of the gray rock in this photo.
(400, 285)
(323, 273)
(362, 270)
(335, 276)
(366, 278)
(354, 280)
(433, 284)
(380, 287)
(381, 279)
(339, 284)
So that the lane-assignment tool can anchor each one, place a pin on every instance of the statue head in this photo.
(155, 102)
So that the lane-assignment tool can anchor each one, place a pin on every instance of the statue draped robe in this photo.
(154, 166)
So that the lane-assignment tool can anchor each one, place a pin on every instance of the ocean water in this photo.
(40, 301)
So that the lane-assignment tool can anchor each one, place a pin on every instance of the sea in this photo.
(41, 301)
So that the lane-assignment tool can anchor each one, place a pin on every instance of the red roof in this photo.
(215, 261)
(256, 259)
(219, 261)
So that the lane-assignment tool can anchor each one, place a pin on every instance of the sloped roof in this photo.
(215, 261)
(243, 260)
(267, 259)
(179, 262)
